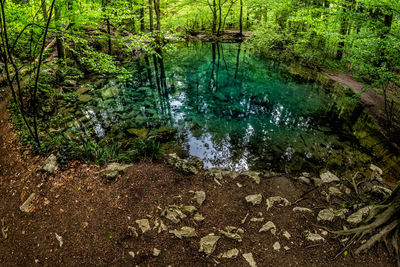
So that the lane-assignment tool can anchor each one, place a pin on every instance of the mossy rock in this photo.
(110, 92)
(85, 98)
(83, 90)
(163, 134)
(141, 133)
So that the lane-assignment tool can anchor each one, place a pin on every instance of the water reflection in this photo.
(232, 109)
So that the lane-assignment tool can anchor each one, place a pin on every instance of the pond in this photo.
(231, 108)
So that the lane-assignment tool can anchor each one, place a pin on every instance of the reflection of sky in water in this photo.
(231, 114)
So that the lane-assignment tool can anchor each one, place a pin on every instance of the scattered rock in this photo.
(269, 226)
(306, 174)
(376, 169)
(341, 213)
(25, 207)
(286, 247)
(200, 197)
(276, 246)
(245, 218)
(261, 219)
(50, 165)
(313, 237)
(215, 173)
(133, 231)
(156, 252)
(208, 244)
(232, 233)
(181, 165)
(280, 200)
(184, 232)
(381, 191)
(131, 253)
(198, 217)
(113, 169)
(230, 254)
(196, 162)
(239, 185)
(159, 226)
(302, 209)
(328, 177)
(317, 181)
(334, 191)
(325, 215)
(60, 240)
(144, 225)
(250, 260)
(230, 174)
(287, 235)
(177, 213)
(304, 180)
(359, 215)
(253, 175)
(254, 199)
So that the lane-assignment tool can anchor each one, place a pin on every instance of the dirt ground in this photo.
(94, 217)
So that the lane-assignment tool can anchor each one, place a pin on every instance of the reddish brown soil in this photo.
(93, 216)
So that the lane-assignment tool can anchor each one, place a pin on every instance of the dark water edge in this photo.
(321, 131)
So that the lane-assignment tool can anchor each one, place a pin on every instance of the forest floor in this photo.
(79, 219)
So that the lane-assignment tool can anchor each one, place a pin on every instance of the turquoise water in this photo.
(231, 108)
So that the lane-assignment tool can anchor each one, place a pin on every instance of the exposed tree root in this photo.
(385, 224)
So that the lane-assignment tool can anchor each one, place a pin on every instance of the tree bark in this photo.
(59, 36)
(241, 18)
(151, 15)
(44, 9)
(158, 14)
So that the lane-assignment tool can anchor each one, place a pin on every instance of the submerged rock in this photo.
(85, 98)
(208, 244)
(113, 169)
(277, 199)
(50, 165)
(328, 177)
(25, 207)
(254, 199)
(141, 133)
(163, 134)
(184, 232)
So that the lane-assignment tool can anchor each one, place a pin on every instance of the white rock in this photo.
(325, 215)
(261, 219)
(230, 254)
(232, 232)
(277, 199)
(313, 237)
(287, 235)
(144, 225)
(380, 190)
(305, 180)
(208, 244)
(328, 177)
(302, 209)
(159, 225)
(60, 240)
(376, 169)
(25, 207)
(156, 252)
(239, 185)
(184, 232)
(200, 197)
(250, 260)
(276, 246)
(254, 199)
(50, 165)
(334, 191)
(286, 247)
(269, 226)
(359, 215)
(198, 217)
(132, 254)
(113, 169)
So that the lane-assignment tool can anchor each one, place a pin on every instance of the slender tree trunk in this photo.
(219, 18)
(151, 15)
(141, 18)
(158, 14)
(59, 36)
(214, 23)
(241, 18)
(44, 9)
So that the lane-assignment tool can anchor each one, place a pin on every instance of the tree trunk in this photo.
(44, 9)
(158, 14)
(220, 17)
(214, 23)
(141, 18)
(59, 36)
(241, 18)
(151, 15)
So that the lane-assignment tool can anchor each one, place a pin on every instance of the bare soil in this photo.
(93, 216)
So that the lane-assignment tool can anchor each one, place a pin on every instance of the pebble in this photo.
(250, 260)
(254, 199)
(276, 246)
(144, 225)
(269, 226)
